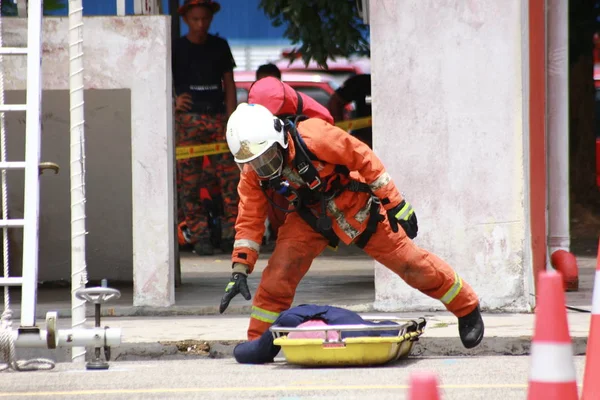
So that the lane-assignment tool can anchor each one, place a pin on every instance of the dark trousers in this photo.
(193, 174)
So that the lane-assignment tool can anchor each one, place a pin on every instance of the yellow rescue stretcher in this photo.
(352, 351)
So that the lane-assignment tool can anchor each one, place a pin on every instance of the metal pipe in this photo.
(93, 337)
(558, 125)
(32, 160)
(77, 154)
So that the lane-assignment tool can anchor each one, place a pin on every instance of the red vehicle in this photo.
(339, 69)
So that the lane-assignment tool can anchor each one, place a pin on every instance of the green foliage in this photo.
(320, 29)
(54, 5)
(9, 8)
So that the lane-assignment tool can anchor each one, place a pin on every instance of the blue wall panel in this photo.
(238, 21)
(242, 20)
(97, 7)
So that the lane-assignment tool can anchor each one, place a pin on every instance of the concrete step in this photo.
(216, 336)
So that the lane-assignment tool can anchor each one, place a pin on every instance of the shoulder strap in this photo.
(303, 158)
(300, 106)
(340, 169)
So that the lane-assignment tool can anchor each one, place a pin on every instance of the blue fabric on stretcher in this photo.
(262, 350)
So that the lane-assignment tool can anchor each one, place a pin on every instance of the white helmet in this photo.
(256, 137)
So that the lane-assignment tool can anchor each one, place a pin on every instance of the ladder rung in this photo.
(12, 223)
(11, 281)
(13, 50)
(12, 165)
(13, 107)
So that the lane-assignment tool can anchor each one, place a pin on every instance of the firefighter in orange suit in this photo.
(338, 190)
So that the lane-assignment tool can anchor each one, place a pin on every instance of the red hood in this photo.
(281, 99)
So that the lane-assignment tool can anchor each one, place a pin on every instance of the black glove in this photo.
(404, 215)
(237, 284)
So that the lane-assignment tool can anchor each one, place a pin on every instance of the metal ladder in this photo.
(28, 333)
(31, 165)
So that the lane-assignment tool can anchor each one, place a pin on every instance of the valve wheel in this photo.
(97, 295)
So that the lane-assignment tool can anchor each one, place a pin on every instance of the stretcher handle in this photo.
(420, 322)
(385, 318)
(338, 328)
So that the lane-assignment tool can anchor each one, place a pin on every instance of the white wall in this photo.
(448, 124)
(123, 53)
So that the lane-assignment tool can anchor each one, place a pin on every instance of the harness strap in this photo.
(312, 221)
(300, 106)
(303, 163)
(374, 218)
(361, 242)
(352, 186)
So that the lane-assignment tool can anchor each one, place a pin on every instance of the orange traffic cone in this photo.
(423, 386)
(552, 375)
(591, 386)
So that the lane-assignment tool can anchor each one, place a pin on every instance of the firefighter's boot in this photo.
(471, 328)
(204, 248)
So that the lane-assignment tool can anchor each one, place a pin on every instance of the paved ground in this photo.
(344, 279)
(491, 378)
(169, 338)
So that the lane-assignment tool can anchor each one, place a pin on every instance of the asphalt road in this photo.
(486, 378)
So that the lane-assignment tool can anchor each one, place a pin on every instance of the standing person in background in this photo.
(205, 98)
(357, 89)
(268, 70)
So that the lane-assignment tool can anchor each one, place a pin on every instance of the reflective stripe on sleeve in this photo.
(380, 182)
(246, 243)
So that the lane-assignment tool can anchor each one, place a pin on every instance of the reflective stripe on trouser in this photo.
(264, 315)
(193, 174)
(421, 269)
(296, 247)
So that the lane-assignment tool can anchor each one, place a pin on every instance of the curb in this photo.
(424, 347)
(217, 349)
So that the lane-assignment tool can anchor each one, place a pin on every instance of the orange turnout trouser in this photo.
(298, 244)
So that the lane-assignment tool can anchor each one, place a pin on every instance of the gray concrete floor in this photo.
(485, 378)
(342, 278)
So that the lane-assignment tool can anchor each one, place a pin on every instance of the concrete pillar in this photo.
(450, 125)
(120, 53)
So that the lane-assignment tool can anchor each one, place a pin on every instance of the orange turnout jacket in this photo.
(349, 210)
